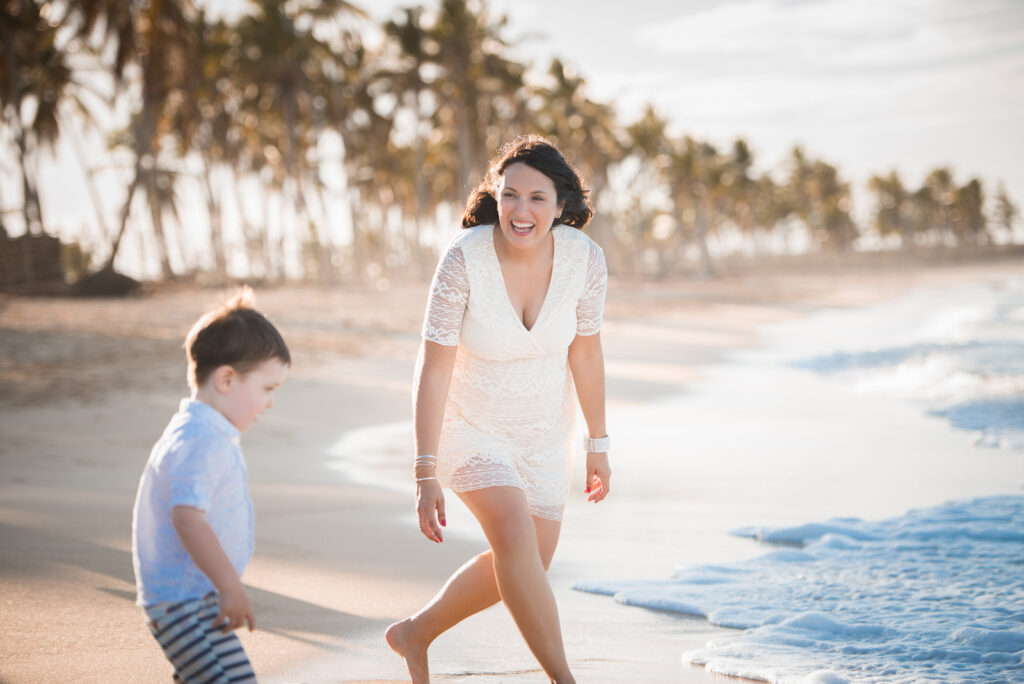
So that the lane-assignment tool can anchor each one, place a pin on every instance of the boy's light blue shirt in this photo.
(197, 462)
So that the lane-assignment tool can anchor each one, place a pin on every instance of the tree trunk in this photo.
(420, 193)
(125, 211)
(253, 254)
(700, 234)
(358, 244)
(324, 251)
(31, 210)
(156, 216)
(279, 249)
(465, 153)
(214, 208)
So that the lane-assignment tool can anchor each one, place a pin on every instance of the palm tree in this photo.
(923, 209)
(937, 194)
(737, 188)
(154, 37)
(821, 200)
(646, 148)
(1006, 212)
(415, 54)
(475, 85)
(369, 155)
(33, 68)
(694, 176)
(893, 213)
(463, 98)
(968, 216)
(770, 204)
(833, 199)
(202, 123)
(586, 130)
(292, 80)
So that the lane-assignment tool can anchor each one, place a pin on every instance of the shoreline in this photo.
(93, 382)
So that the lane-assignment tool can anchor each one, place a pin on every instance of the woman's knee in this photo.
(547, 540)
(511, 535)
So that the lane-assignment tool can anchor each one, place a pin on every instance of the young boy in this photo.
(192, 527)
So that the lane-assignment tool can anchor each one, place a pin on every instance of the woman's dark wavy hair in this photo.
(544, 156)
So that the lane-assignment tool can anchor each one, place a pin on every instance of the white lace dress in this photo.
(509, 418)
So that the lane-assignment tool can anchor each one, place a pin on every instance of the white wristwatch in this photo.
(597, 445)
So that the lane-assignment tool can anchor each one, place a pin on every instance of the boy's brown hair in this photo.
(235, 335)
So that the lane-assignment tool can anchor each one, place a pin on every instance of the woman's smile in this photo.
(522, 228)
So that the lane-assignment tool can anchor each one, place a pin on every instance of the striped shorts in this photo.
(199, 651)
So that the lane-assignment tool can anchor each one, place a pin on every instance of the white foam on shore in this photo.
(936, 595)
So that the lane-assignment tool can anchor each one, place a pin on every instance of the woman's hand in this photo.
(430, 509)
(598, 475)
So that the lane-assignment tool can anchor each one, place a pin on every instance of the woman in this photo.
(515, 305)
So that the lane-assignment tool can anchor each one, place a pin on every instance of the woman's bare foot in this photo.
(401, 637)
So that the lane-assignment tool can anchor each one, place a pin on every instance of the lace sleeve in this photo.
(449, 292)
(591, 304)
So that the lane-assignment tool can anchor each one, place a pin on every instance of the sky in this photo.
(867, 85)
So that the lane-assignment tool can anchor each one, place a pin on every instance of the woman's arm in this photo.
(586, 361)
(433, 379)
(202, 545)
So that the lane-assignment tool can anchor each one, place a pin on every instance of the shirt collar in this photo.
(211, 416)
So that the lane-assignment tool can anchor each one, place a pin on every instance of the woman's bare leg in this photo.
(470, 589)
(519, 573)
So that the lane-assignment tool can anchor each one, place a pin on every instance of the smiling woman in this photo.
(516, 304)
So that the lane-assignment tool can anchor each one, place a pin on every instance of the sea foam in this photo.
(964, 363)
(935, 595)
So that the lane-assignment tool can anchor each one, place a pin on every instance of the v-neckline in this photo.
(547, 292)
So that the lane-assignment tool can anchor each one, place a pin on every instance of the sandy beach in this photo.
(89, 384)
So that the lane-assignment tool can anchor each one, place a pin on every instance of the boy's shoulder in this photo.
(201, 419)
(196, 427)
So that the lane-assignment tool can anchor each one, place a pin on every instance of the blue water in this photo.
(965, 364)
(936, 595)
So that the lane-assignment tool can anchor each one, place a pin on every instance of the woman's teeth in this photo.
(521, 227)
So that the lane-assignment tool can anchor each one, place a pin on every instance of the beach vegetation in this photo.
(305, 141)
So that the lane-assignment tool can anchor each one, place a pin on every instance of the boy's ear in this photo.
(223, 378)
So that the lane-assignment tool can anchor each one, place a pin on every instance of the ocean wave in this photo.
(934, 595)
(962, 359)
